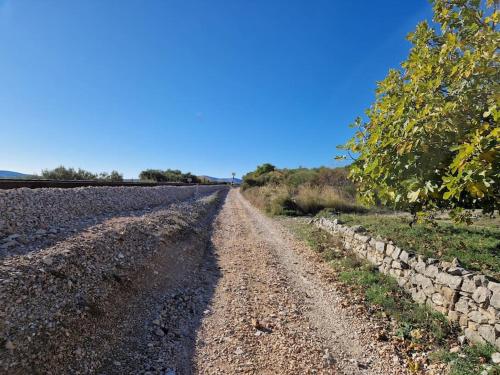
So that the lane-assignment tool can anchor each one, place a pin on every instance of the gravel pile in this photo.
(28, 212)
(63, 308)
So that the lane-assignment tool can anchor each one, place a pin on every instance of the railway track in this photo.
(6, 184)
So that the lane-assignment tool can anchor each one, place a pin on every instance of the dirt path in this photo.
(273, 310)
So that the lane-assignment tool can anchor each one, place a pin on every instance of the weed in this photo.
(470, 362)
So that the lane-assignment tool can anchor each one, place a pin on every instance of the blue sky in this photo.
(207, 86)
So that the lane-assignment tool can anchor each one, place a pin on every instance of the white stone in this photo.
(481, 294)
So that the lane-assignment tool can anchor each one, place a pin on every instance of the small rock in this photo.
(159, 332)
(9, 345)
(455, 349)
(238, 351)
(328, 359)
(495, 358)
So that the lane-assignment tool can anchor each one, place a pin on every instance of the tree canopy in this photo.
(169, 175)
(63, 173)
(431, 138)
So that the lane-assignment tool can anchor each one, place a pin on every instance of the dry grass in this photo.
(303, 200)
(312, 199)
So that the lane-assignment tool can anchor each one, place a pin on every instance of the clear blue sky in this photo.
(207, 86)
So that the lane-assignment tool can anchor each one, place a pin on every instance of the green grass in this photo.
(477, 247)
(470, 361)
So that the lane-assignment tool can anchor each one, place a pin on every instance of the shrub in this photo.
(300, 191)
(63, 173)
(169, 175)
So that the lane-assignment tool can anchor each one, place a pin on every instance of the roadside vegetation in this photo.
(63, 173)
(300, 191)
(169, 175)
(424, 337)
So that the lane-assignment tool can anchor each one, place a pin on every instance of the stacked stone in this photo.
(465, 297)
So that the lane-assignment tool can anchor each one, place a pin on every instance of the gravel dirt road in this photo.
(273, 310)
(203, 288)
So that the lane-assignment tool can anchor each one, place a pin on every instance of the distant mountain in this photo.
(217, 179)
(10, 174)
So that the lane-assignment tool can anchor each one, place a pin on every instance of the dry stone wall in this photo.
(24, 211)
(465, 297)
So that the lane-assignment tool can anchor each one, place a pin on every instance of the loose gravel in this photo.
(28, 213)
(64, 308)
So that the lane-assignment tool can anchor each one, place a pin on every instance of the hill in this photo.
(11, 174)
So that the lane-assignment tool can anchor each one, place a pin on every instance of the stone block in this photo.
(362, 238)
(404, 256)
(463, 321)
(389, 249)
(469, 284)
(420, 267)
(438, 299)
(380, 246)
(462, 305)
(449, 293)
(487, 332)
(454, 282)
(373, 258)
(453, 316)
(412, 260)
(423, 282)
(431, 271)
(396, 252)
(473, 325)
(419, 296)
(395, 272)
(495, 300)
(397, 265)
(494, 287)
(402, 282)
(481, 295)
(478, 317)
(480, 280)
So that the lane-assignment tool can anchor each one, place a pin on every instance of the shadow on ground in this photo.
(157, 331)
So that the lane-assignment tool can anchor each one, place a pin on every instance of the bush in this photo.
(169, 175)
(63, 173)
(300, 191)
